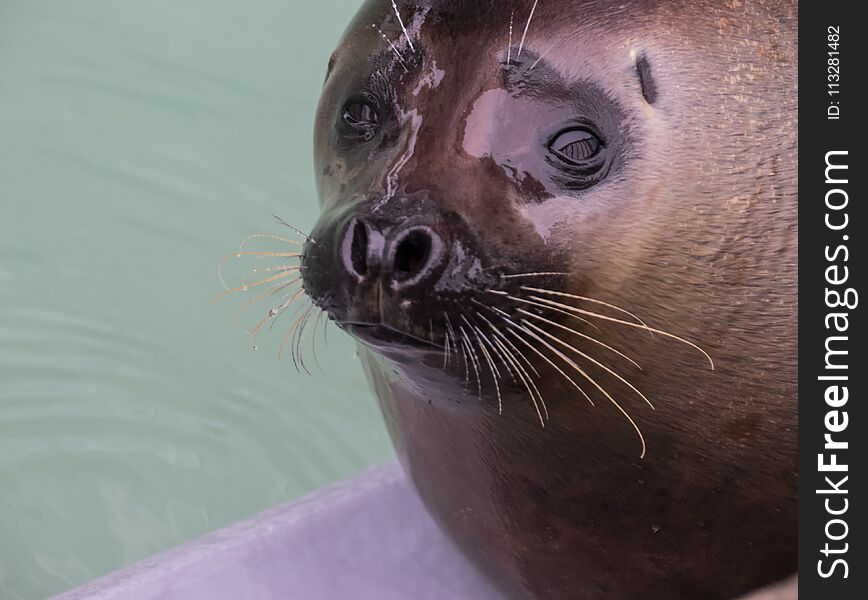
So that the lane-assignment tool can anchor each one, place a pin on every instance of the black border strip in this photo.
(831, 271)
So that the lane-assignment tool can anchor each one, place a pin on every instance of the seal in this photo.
(564, 234)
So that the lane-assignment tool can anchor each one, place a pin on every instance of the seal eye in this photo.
(360, 118)
(576, 146)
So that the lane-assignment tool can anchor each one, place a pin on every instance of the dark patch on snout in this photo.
(390, 273)
(646, 79)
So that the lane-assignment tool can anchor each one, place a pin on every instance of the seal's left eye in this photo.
(361, 113)
(576, 146)
(360, 118)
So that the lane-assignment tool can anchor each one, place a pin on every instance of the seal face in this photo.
(565, 238)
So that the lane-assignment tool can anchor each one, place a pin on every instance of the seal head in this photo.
(564, 234)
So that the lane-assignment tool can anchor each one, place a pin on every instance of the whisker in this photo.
(299, 338)
(547, 307)
(543, 55)
(269, 236)
(295, 229)
(584, 298)
(526, 27)
(286, 337)
(493, 347)
(495, 373)
(582, 335)
(404, 29)
(446, 347)
(587, 357)
(239, 254)
(247, 286)
(488, 341)
(474, 361)
(313, 341)
(545, 358)
(285, 270)
(591, 380)
(529, 385)
(269, 292)
(542, 401)
(509, 47)
(394, 48)
(629, 324)
(292, 343)
(540, 274)
(275, 312)
(451, 330)
(278, 268)
(503, 337)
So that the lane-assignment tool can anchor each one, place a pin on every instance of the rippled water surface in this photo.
(139, 142)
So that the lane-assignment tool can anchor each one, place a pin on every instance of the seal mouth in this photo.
(381, 336)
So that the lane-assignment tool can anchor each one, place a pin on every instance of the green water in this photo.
(139, 142)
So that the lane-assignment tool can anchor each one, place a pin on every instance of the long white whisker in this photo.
(495, 373)
(526, 27)
(496, 350)
(451, 330)
(404, 29)
(473, 354)
(503, 337)
(582, 335)
(544, 357)
(486, 338)
(591, 380)
(446, 347)
(628, 324)
(525, 379)
(393, 46)
(584, 298)
(540, 274)
(587, 357)
(509, 47)
(473, 362)
(547, 307)
(542, 56)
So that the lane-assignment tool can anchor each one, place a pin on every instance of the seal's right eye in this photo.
(360, 118)
(576, 146)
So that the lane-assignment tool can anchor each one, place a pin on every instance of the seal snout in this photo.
(406, 256)
(414, 256)
(385, 269)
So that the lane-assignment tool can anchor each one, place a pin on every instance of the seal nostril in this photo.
(359, 249)
(412, 254)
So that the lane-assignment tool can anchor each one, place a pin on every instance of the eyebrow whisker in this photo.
(509, 46)
(403, 28)
(526, 27)
(542, 56)
(397, 52)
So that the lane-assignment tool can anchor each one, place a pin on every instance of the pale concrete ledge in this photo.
(368, 537)
(365, 538)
